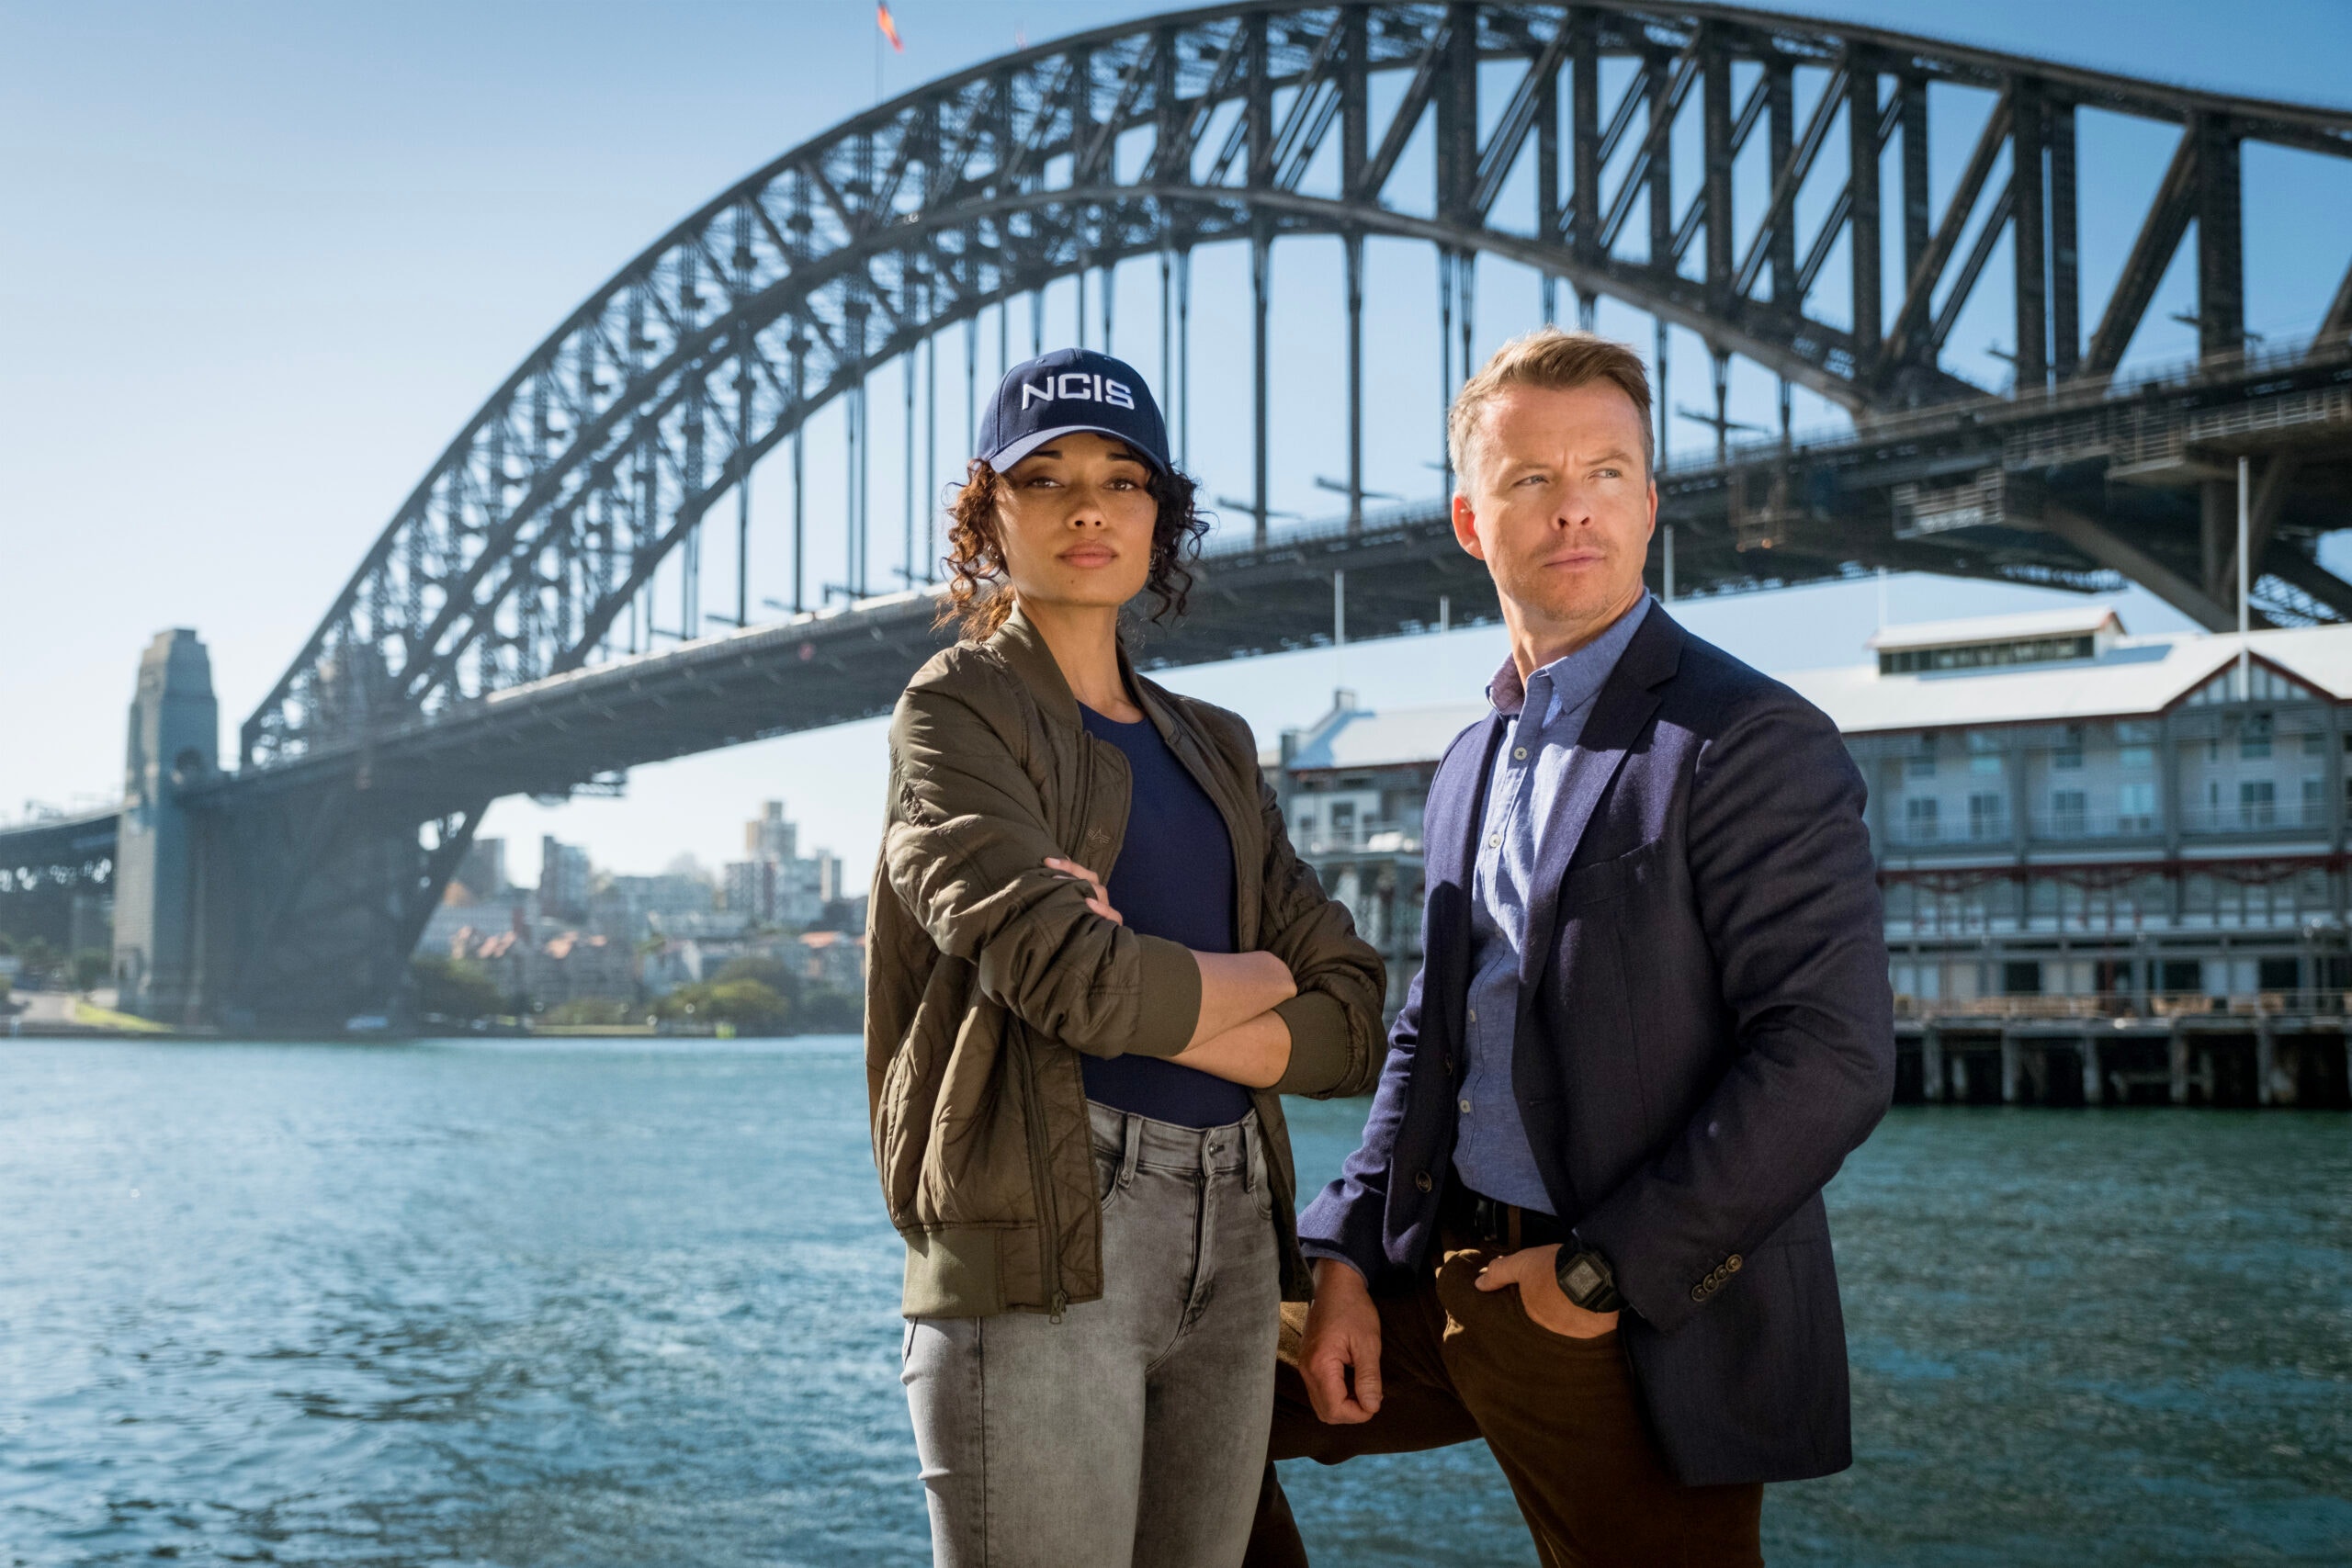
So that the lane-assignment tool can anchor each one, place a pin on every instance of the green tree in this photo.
(764, 967)
(453, 987)
(91, 968)
(824, 1011)
(751, 1007)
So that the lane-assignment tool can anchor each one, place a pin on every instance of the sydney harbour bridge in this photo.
(1760, 181)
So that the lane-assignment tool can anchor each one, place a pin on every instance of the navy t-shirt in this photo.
(1174, 879)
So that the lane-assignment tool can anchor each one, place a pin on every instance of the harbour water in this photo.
(631, 1303)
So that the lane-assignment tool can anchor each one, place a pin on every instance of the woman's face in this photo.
(1075, 519)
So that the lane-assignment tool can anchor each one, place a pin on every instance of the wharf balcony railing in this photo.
(1374, 838)
(1982, 830)
(2112, 1005)
(2069, 827)
(2253, 817)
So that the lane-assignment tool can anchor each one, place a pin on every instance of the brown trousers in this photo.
(1560, 1415)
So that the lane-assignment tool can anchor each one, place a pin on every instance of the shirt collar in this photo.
(1573, 678)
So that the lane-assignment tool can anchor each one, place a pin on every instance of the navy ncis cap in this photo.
(1069, 390)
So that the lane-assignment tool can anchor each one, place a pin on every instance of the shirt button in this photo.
(1520, 754)
(1473, 1015)
(1465, 1105)
(1493, 839)
(1423, 1183)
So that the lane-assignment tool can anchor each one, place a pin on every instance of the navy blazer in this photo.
(1705, 1030)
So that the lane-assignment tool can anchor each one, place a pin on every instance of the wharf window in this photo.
(1920, 821)
(2067, 810)
(1983, 655)
(2136, 757)
(2135, 808)
(2314, 801)
(2068, 753)
(2021, 979)
(2314, 743)
(1343, 819)
(2257, 802)
(2253, 739)
(1921, 765)
(1986, 818)
(1984, 754)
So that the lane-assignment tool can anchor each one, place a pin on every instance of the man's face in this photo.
(1558, 503)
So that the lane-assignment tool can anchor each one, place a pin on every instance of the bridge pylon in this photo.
(174, 742)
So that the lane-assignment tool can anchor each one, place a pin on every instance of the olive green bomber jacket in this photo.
(987, 976)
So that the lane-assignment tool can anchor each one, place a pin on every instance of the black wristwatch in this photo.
(1585, 1278)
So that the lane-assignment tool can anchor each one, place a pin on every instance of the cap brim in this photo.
(1004, 461)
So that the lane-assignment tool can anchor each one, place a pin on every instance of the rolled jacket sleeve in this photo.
(965, 849)
(1334, 1021)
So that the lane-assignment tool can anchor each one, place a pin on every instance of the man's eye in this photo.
(1534, 480)
(1609, 473)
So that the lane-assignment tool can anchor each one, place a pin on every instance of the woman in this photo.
(1096, 966)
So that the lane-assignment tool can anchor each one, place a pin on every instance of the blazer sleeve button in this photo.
(1423, 1181)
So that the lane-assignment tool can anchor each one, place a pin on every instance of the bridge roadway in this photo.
(2069, 490)
(2080, 490)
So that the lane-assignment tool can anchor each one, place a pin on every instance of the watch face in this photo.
(1581, 1280)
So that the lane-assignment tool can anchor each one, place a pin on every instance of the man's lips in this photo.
(1575, 557)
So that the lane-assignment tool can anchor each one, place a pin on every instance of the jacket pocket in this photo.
(1609, 879)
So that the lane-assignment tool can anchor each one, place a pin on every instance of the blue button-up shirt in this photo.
(1542, 721)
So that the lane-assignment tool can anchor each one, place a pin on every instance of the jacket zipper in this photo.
(1052, 1245)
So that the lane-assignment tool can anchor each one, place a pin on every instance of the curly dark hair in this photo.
(979, 598)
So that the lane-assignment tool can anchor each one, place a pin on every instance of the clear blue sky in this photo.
(261, 260)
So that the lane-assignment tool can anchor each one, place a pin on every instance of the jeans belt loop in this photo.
(1253, 1157)
(1130, 1129)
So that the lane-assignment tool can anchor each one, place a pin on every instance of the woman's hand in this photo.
(1099, 901)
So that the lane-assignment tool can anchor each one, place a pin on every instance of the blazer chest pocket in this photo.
(1607, 881)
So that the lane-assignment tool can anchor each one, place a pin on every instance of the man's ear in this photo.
(1466, 527)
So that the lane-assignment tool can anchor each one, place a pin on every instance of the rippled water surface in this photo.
(589, 1305)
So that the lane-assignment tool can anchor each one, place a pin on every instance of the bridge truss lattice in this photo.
(534, 539)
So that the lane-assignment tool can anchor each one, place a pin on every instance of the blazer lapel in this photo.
(1626, 702)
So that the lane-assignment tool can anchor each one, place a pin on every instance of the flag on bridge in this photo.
(888, 24)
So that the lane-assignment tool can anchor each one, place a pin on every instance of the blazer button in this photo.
(1698, 1292)
(1731, 1264)
(1423, 1183)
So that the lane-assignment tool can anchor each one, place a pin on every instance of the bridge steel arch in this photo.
(516, 555)
(478, 620)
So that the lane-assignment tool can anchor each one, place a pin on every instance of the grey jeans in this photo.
(1133, 1431)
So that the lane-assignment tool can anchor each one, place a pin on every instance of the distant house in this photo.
(835, 960)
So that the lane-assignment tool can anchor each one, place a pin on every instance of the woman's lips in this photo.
(1090, 554)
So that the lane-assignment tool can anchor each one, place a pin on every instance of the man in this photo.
(1586, 1221)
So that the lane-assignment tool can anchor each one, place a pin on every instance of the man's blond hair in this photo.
(1557, 361)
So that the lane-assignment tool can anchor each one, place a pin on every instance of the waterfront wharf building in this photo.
(2114, 867)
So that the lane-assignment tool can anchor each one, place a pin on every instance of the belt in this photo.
(1494, 1222)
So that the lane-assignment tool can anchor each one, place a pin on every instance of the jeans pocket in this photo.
(1106, 1178)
